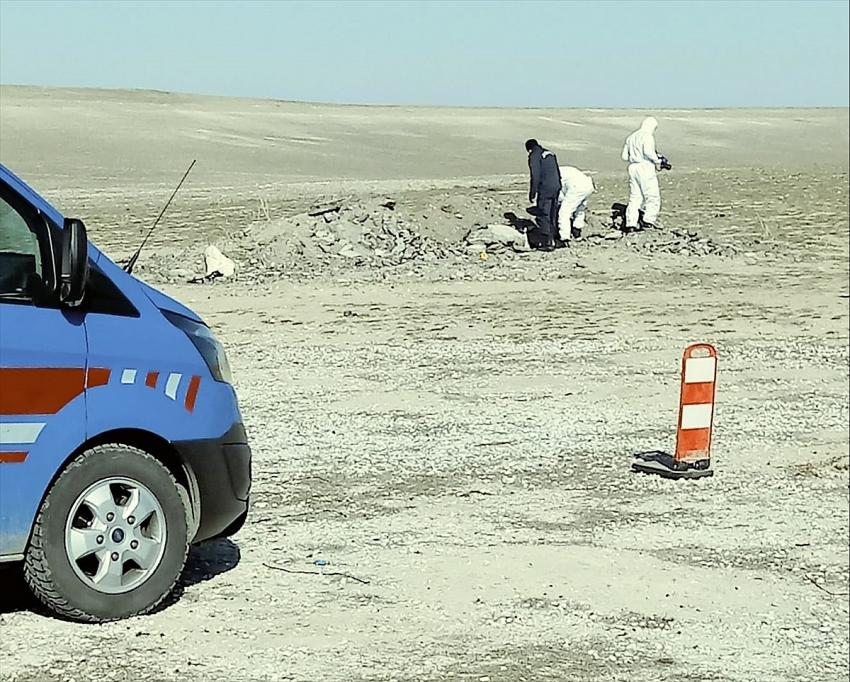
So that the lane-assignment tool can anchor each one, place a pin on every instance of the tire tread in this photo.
(37, 573)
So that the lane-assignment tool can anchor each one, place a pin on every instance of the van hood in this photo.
(124, 279)
(167, 303)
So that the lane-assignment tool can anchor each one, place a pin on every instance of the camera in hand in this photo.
(665, 163)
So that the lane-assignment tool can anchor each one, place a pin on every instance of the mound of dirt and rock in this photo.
(379, 233)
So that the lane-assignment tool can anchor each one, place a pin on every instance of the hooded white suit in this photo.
(576, 187)
(639, 152)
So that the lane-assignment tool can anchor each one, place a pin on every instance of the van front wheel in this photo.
(110, 539)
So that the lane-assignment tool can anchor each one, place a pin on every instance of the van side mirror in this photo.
(74, 265)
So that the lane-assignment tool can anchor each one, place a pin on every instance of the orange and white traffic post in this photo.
(692, 458)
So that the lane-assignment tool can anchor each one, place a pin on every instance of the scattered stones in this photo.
(684, 243)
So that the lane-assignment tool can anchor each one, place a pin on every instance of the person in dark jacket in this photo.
(545, 189)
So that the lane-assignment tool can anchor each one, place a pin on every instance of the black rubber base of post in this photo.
(665, 465)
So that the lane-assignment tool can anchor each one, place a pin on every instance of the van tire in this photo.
(48, 567)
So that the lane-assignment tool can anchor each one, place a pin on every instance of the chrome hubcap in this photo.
(115, 535)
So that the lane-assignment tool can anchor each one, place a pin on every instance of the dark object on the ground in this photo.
(474, 492)
(561, 244)
(656, 462)
(575, 233)
(322, 211)
(323, 573)
(204, 279)
(390, 204)
(521, 224)
(536, 237)
(822, 588)
(618, 216)
(618, 219)
(665, 163)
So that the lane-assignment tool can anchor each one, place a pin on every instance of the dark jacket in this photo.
(545, 174)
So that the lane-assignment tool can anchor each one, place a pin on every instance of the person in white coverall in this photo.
(576, 187)
(639, 152)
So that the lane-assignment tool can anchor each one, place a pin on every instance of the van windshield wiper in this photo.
(128, 267)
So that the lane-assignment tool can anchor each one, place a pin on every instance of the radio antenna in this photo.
(128, 268)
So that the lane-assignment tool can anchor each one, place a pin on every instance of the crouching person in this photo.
(576, 188)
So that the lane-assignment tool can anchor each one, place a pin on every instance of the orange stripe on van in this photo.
(12, 457)
(38, 390)
(97, 377)
(192, 393)
(45, 390)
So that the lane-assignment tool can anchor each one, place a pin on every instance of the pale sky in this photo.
(484, 53)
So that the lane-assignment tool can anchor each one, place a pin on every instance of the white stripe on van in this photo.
(19, 433)
(128, 376)
(172, 385)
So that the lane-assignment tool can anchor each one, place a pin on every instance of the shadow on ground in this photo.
(204, 563)
(210, 559)
(14, 593)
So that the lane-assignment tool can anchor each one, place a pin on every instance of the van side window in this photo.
(20, 257)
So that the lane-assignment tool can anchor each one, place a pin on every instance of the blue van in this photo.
(121, 441)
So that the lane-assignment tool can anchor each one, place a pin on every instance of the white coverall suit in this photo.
(576, 187)
(639, 152)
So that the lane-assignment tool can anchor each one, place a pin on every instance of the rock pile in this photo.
(379, 233)
(336, 236)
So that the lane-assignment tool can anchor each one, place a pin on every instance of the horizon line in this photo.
(156, 91)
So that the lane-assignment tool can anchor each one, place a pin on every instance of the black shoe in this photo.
(575, 232)
(561, 244)
(546, 247)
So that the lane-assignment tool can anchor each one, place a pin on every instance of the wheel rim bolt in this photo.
(100, 539)
(134, 544)
(115, 556)
(110, 516)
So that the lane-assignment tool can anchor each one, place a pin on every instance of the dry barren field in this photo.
(443, 440)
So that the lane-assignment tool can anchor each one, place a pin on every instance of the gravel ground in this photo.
(460, 459)
(442, 448)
